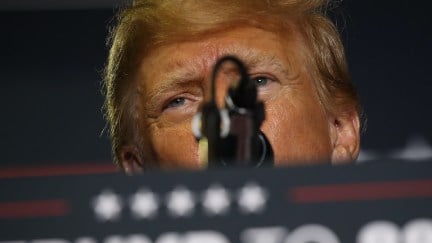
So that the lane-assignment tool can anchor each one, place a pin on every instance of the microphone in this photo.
(231, 136)
(246, 116)
(242, 94)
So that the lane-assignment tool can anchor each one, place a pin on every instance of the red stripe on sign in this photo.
(57, 170)
(361, 191)
(30, 209)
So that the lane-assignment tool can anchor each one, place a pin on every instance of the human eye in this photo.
(264, 82)
(182, 103)
(267, 85)
(261, 80)
(176, 102)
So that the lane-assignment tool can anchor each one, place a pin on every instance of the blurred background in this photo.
(52, 54)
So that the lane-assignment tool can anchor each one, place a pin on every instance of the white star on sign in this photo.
(144, 204)
(252, 198)
(180, 202)
(216, 200)
(107, 206)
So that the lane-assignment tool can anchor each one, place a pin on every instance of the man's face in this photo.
(173, 81)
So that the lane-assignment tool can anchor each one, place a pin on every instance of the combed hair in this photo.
(150, 23)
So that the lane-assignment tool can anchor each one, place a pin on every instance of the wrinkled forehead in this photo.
(254, 46)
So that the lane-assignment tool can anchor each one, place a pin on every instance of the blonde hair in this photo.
(149, 23)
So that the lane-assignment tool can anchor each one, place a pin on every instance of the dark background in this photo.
(52, 55)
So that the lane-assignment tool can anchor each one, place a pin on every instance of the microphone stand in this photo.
(231, 136)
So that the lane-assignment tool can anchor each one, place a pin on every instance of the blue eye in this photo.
(260, 81)
(176, 102)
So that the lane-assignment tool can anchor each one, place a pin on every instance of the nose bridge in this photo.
(227, 76)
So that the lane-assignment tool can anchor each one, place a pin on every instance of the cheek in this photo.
(298, 131)
(174, 146)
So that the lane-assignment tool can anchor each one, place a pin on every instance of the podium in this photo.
(383, 201)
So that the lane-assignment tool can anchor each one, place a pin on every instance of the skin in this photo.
(173, 81)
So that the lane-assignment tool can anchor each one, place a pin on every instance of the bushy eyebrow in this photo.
(175, 80)
(257, 59)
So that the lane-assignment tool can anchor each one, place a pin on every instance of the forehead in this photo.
(195, 58)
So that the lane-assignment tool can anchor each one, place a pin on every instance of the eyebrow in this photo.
(180, 78)
(256, 59)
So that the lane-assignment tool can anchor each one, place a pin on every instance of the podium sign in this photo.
(382, 202)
